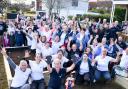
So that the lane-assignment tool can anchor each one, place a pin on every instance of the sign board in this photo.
(11, 15)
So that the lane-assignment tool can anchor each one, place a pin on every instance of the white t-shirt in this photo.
(47, 34)
(37, 69)
(80, 38)
(39, 46)
(63, 60)
(84, 68)
(102, 63)
(46, 52)
(62, 37)
(29, 41)
(20, 77)
(11, 29)
(55, 46)
(124, 61)
(34, 44)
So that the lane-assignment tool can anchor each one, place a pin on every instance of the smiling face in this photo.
(60, 55)
(85, 57)
(64, 27)
(104, 40)
(74, 47)
(57, 63)
(57, 38)
(23, 65)
(120, 39)
(104, 52)
(43, 39)
(38, 58)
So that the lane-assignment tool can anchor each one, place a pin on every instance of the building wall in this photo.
(27, 2)
(67, 8)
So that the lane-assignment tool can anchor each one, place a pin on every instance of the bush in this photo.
(31, 12)
(70, 17)
(119, 14)
(93, 17)
(96, 17)
(13, 11)
(101, 11)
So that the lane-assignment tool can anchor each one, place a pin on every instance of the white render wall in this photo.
(67, 8)
(71, 10)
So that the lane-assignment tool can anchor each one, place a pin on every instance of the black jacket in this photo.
(91, 69)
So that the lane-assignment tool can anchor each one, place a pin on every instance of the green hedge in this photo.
(93, 17)
(101, 11)
(119, 14)
(31, 12)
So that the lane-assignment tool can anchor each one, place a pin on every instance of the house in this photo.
(74, 7)
(64, 7)
(27, 2)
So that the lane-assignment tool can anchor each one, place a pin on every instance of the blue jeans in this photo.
(38, 84)
(26, 86)
(105, 74)
(62, 87)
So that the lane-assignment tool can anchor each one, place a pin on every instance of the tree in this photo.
(58, 6)
(3, 4)
(19, 7)
(50, 4)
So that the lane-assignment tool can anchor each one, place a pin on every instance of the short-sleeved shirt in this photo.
(102, 63)
(63, 60)
(20, 77)
(37, 69)
(55, 81)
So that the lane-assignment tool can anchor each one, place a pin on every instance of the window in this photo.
(75, 3)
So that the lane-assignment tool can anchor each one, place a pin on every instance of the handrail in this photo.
(4, 83)
(8, 71)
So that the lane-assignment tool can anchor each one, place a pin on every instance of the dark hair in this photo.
(60, 50)
(41, 55)
(89, 48)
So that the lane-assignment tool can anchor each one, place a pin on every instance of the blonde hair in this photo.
(57, 61)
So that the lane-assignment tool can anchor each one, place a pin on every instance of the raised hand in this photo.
(3, 51)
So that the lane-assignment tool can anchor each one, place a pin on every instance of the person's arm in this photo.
(48, 61)
(81, 46)
(49, 68)
(10, 61)
(93, 62)
(27, 35)
(70, 68)
(117, 58)
(68, 45)
(89, 42)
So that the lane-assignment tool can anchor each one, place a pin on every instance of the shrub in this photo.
(119, 14)
(31, 12)
(94, 17)
(70, 17)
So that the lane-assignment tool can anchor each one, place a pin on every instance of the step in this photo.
(122, 81)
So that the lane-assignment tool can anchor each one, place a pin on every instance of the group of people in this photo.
(91, 49)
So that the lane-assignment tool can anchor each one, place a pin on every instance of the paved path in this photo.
(100, 86)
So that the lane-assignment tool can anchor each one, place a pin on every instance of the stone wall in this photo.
(3, 77)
